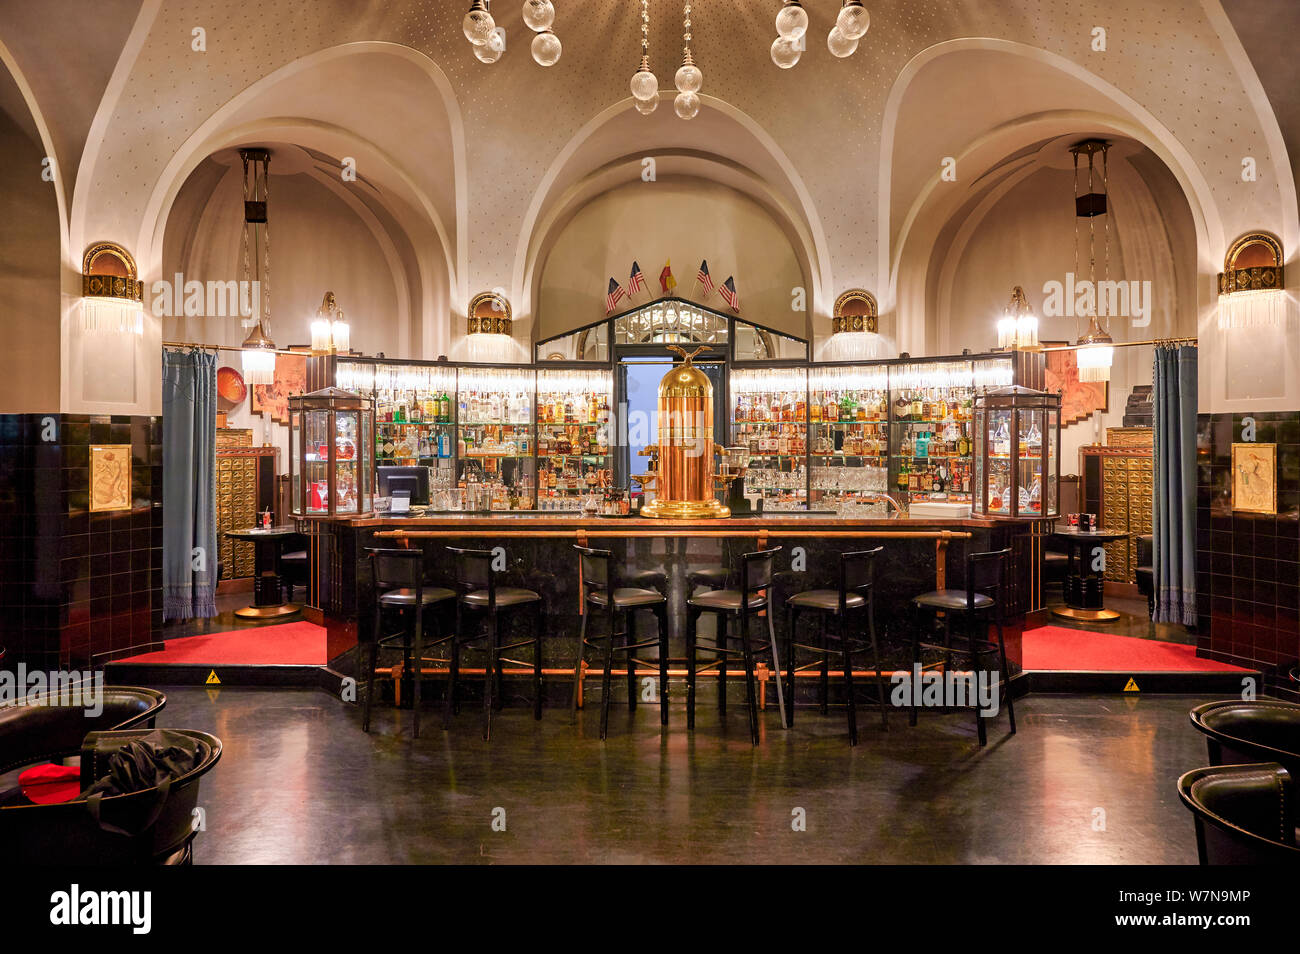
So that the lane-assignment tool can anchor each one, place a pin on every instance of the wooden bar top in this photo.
(784, 521)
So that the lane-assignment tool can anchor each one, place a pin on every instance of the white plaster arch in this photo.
(216, 132)
(1130, 119)
(545, 211)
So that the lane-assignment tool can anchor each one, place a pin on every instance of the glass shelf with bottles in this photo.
(573, 422)
(494, 439)
(848, 438)
(932, 405)
(415, 413)
(770, 419)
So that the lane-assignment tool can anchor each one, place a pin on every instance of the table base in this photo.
(269, 612)
(1085, 615)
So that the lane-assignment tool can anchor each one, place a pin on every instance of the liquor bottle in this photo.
(740, 415)
(904, 469)
(800, 408)
(815, 411)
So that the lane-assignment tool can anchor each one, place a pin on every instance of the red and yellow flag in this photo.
(666, 280)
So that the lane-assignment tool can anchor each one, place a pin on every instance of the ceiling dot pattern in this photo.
(825, 115)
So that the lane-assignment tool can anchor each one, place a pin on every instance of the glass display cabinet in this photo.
(573, 439)
(848, 438)
(494, 439)
(331, 453)
(770, 419)
(1018, 453)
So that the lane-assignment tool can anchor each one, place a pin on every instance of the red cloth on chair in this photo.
(49, 784)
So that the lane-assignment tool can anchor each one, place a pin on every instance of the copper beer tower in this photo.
(684, 479)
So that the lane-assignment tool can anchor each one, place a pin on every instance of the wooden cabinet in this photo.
(245, 488)
(1117, 486)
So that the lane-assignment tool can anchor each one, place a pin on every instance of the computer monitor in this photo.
(411, 481)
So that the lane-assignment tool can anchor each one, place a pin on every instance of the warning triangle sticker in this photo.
(212, 679)
(1131, 685)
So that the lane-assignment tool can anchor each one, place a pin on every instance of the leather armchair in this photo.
(145, 827)
(32, 733)
(1261, 731)
(1244, 814)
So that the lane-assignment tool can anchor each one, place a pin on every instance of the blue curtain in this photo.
(1174, 499)
(189, 484)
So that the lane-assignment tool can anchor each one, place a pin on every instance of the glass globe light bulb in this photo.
(647, 106)
(839, 44)
(645, 85)
(539, 15)
(689, 78)
(496, 40)
(546, 48)
(687, 105)
(853, 21)
(488, 53)
(478, 26)
(785, 53)
(792, 21)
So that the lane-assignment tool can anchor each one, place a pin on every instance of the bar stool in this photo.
(734, 606)
(713, 578)
(604, 595)
(477, 582)
(398, 577)
(980, 602)
(855, 596)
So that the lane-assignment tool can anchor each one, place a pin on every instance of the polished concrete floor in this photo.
(1088, 779)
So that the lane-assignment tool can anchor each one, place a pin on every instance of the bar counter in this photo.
(921, 554)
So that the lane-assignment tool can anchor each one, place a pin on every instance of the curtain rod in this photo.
(212, 347)
(1130, 344)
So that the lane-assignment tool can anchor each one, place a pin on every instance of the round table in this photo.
(268, 602)
(1083, 582)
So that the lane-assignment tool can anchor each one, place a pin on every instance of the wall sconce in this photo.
(488, 329)
(855, 328)
(112, 293)
(1018, 326)
(330, 333)
(1252, 289)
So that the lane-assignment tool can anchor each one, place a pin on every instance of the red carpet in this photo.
(1056, 649)
(286, 644)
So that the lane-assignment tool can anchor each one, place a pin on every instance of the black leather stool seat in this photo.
(628, 597)
(1245, 814)
(1259, 731)
(727, 600)
(950, 600)
(406, 597)
(506, 596)
(825, 600)
(715, 578)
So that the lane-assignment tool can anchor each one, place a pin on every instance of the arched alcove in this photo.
(723, 158)
(30, 281)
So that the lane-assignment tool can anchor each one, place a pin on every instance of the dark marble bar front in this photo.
(919, 555)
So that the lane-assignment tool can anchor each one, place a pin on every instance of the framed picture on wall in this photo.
(110, 477)
(1254, 478)
(1080, 400)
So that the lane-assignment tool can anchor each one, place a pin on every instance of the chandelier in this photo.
(1096, 351)
(689, 79)
(258, 350)
(645, 85)
(851, 25)
(489, 40)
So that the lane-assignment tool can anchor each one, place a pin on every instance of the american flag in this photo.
(637, 282)
(728, 291)
(612, 298)
(704, 279)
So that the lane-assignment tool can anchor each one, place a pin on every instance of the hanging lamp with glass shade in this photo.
(258, 350)
(330, 331)
(853, 20)
(1018, 326)
(689, 78)
(792, 20)
(1096, 352)
(645, 85)
(478, 23)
